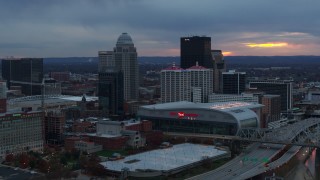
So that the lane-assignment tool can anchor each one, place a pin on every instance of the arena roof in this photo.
(220, 106)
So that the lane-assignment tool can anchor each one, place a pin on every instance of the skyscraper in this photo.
(276, 87)
(3, 96)
(193, 49)
(106, 59)
(219, 68)
(123, 58)
(110, 91)
(175, 84)
(201, 82)
(233, 82)
(24, 72)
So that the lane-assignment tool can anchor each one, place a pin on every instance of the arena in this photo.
(210, 118)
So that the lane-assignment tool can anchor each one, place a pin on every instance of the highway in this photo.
(242, 167)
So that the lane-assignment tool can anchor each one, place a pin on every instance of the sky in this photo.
(65, 28)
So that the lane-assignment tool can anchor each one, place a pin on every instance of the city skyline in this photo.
(81, 28)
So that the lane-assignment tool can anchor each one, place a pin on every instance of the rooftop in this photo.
(221, 106)
(165, 159)
(124, 39)
(173, 68)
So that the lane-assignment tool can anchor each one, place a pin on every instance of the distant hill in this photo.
(272, 60)
(90, 64)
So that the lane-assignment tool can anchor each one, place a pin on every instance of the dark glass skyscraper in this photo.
(195, 49)
(233, 82)
(24, 72)
(276, 87)
(110, 91)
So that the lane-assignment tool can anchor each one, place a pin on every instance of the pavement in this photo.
(8, 173)
(300, 172)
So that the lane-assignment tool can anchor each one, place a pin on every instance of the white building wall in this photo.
(175, 85)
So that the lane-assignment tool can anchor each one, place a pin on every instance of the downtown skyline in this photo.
(81, 28)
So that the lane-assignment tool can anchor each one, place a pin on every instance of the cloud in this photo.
(82, 27)
(266, 45)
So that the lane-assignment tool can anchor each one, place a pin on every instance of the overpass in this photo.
(302, 133)
(305, 133)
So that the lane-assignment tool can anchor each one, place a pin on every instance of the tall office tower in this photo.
(125, 58)
(218, 69)
(175, 84)
(110, 91)
(201, 77)
(24, 72)
(276, 87)
(233, 82)
(271, 110)
(21, 132)
(193, 49)
(54, 122)
(3, 96)
(106, 59)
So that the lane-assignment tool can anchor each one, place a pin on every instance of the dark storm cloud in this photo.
(82, 27)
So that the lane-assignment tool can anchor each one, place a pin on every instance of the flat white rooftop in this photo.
(165, 159)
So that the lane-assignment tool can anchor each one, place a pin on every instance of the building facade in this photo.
(110, 91)
(276, 87)
(271, 110)
(202, 78)
(233, 97)
(21, 132)
(233, 82)
(175, 84)
(54, 122)
(123, 58)
(208, 118)
(193, 49)
(106, 59)
(3, 96)
(24, 72)
(219, 68)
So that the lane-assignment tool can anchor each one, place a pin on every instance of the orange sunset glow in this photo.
(266, 45)
(227, 53)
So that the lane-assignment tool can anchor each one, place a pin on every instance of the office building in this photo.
(3, 96)
(175, 84)
(106, 59)
(201, 82)
(21, 131)
(233, 82)
(24, 72)
(54, 123)
(219, 68)
(51, 87)
(271, 110)
(276, 87)
(123, 58)
(193, 49)
(110, 91)
(233, 97)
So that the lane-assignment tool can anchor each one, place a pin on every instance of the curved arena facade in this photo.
(208, 118)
